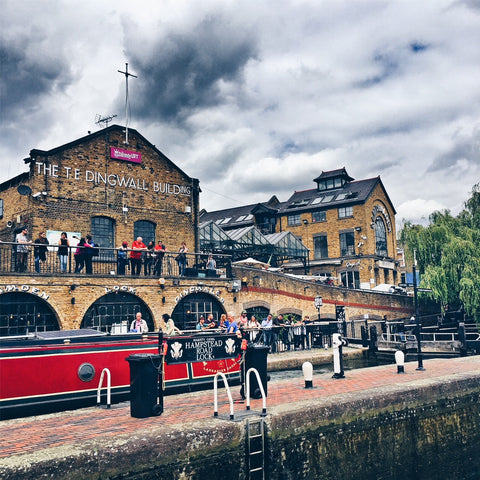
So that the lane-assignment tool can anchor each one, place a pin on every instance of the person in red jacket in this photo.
(138, 247)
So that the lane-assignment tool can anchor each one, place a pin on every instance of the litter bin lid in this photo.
(258, 347)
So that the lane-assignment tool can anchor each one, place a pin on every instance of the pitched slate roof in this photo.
(340, 172)
(238, 217)
(351, 193)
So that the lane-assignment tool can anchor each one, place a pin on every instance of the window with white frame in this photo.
(350, 279)
(344, 212)
(294, 220)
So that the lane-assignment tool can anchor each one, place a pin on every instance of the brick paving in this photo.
(31, 434)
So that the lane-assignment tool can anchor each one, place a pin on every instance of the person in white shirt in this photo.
(139, 325)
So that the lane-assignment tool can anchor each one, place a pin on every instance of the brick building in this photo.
(348, 227)
(101, 186)
(98, 185)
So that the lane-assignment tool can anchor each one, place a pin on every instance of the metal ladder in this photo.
(256, 449)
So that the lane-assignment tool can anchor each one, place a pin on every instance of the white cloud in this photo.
(257, 98)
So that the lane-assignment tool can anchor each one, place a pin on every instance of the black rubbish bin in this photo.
(145, 370)
(256, 357)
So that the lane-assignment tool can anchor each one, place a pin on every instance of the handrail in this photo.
(425, 337)
(107, 261)
(260, 384)
(215, 394)
(109, 387)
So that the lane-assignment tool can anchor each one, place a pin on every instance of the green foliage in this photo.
(448, 254)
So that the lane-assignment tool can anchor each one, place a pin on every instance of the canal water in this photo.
(349, 363)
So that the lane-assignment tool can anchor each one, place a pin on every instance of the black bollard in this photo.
(338, 343)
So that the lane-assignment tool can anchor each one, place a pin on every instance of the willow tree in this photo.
(448, 254)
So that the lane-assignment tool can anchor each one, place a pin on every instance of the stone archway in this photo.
(190, 308)
(22, 313)
(119, 309)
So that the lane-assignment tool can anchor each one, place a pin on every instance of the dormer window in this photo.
(331, 183)
(333, 179)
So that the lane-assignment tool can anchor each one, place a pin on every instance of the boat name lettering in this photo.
(199, 289)
(204, 343)
(25, 288)
(120, 288)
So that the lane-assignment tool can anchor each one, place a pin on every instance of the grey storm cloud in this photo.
(256, 98)
(184, 70)
(28, 76)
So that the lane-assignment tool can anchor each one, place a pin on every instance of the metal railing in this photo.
(291, 337)
(24, 258)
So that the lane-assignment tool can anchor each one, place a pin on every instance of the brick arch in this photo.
(287, 310)
(115, 307)
(257, 303)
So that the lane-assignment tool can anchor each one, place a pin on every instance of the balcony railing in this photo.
(109, 261)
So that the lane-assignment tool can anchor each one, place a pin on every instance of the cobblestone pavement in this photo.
(27, 435)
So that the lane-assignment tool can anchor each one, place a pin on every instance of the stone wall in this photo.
(428, 429)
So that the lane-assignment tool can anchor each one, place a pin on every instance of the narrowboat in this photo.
(63, 370)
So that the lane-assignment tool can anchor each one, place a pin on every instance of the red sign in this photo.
(126, 155)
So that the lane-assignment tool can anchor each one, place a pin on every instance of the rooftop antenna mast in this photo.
(127, 74)
(106, 120)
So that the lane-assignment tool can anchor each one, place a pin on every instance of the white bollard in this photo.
(400, 361)
(307, 369)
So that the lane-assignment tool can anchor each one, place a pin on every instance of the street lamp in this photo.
(318, 304)
(417, 322)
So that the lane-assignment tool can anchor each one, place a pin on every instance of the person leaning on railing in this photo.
(254, 327)
(122, 258)
(22, 250)
(40, 250)
(90, 251)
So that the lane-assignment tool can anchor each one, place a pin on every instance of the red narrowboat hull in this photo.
(38, 377)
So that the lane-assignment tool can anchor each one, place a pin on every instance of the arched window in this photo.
(188, 310)
(23, 313)
(380, 238)
(116, 308)
(103, 229)
(144, 229)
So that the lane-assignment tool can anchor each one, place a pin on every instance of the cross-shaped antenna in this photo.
(127, 74)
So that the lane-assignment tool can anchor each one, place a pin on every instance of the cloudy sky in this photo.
(257, 97)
